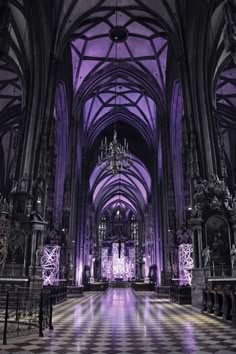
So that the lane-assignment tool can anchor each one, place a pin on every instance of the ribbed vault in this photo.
(10, 94)
(226, 96)
(129, 189)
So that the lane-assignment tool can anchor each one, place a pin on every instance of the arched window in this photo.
(134, 230)
(102, 229)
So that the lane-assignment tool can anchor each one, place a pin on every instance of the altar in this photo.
(118, 262)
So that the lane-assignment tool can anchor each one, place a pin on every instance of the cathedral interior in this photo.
(118, 173)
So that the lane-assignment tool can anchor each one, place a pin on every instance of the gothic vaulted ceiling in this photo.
(119, 55)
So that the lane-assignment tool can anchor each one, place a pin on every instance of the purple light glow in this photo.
(93, 50)
(185, 263)
(106, 264)
(50, 265)
(226, 87)
(137, 171)
(120, 95)
(121, 198)
(86, 54)
(130, 180)
(134, 183)
(176, 149)
(118, 263)
(122, 267)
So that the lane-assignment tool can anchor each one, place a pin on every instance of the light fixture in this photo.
(115, 155)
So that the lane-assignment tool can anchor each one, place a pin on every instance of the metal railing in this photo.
(25, 311)
(59, 293)
(180, 294)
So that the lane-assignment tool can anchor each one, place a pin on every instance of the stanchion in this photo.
(50, 312)
(6, 318)
(41, 315)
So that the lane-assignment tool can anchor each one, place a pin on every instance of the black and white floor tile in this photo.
(124, 321)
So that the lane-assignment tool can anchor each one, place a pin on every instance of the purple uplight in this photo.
(50, 265)
(185, 263)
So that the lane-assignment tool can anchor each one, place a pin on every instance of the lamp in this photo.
(115, 155)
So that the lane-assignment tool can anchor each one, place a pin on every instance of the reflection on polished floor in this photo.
(122, 321)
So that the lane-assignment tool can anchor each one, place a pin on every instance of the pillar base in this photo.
(35, 275)
(234, 272)
(199, 276)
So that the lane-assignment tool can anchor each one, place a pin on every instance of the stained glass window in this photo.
(102, 229)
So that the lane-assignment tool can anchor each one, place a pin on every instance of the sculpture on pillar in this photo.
(38, 256)
(233, 209)
(29, 206)
(206, 255)
(23, 184)
(171, 251)
(211, 194)
(196, 211)
(4, 239)
(4, 207)
(233, 255)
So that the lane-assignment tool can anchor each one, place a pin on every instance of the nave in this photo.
(124, 321)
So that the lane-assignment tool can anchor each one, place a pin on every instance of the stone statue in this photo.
(14, 187)
(23, 183)
(233, 255)
(196, 212)
(171, 249)
(228, 199)
(206, 254)
(234, 203)
(3, 251)
(38, 256)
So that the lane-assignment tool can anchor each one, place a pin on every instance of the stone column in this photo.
(35, 269)
(196, 224)
(33, 250)
(233, 221)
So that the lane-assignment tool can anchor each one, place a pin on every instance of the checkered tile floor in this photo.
(122, 321)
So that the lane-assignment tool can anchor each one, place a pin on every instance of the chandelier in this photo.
(115, 155)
